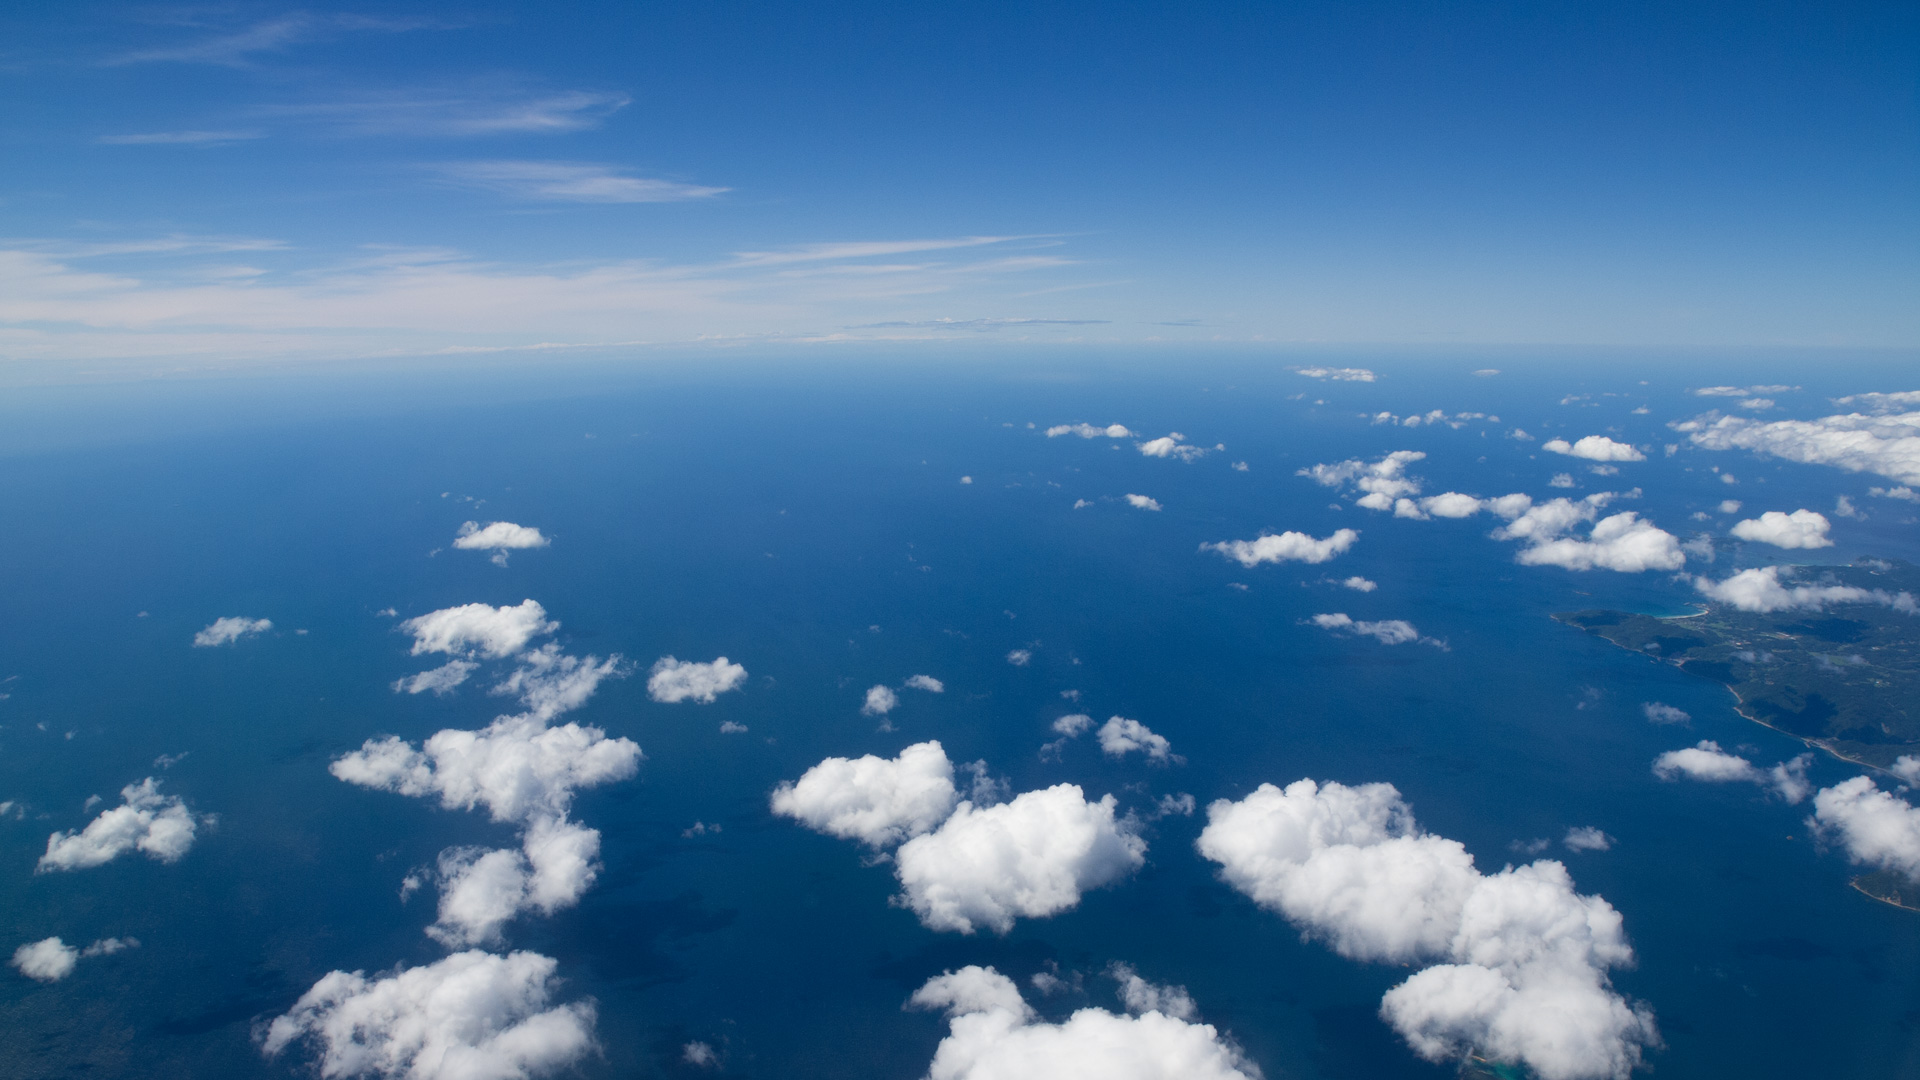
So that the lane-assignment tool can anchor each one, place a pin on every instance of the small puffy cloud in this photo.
(1748, 391)
(1383, 481)
(1285, 547)
(1451, 504)
(1073, 725)
(470, 1016)
(1386, 631)
(1020, 657)
(880, 701)
(1587, 838)
(1762, 590)
(1120, 736)
(47, 960)
(1561, 480)
(1173, 446)
(1800, 529)
(1707, 762)
(700, 1055)
(926, 682)
(877, 801)
(1359, 584)
(1142, 502)
(1907, 768)
(229, 629)
(440, 680)
(1595, 448)
(159, 826)
(1877, 828)
(1088, 431)
(728, 727)
(549, 682)
(1730, 506)
(492, 631)
(1337, 374)
(1141, 996)
(1031, 857)
(498, 537)
(1886, 444)
(684, 680)
(995, 1035)
(1522, 958)
(1661, 713)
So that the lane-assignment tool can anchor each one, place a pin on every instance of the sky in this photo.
(233, 184)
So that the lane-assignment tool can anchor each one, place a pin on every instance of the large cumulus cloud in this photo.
(1887, 444)
(1523, 959)
(964, 865)
(492, 631)
(470, 1016)
(1876, 827)
(1621, 542)
(994, 1034)
(1770, 588)
(1800, 529)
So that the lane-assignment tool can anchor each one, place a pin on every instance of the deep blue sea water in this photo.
(808, 521)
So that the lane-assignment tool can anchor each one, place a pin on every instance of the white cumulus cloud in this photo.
(1877, 828)
(1523, 958)
(1173, 446)
(1595, 448)
(995, 1035)
(1386, 631)
(880, 701)
(1383, 481)
(1662, 713)
(1089, 431)
(229, 629)
(481, 890)
(51, 959)
(1622, 542)
(1762, 589)
(440, 680)
(159, 826)
(1800, 529)
(1285, 547)
(1587, 838)
(684, 680)
(877, 801)
(470, 1016)
(926, 682)
(1142, 502)
(1887, 445)
(1120, 736)
(1031, 857)
(1706, 761)
(1337, 374)
(1359, 584)
(493, 631)
(498, 537)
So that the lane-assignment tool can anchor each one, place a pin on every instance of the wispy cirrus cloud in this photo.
(130, 302)
(180, 138)
(453, 112)
(232, 45)
(567, 181)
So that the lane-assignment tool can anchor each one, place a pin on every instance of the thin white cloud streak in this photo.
(236, 48)
(54, 310)
(180, 138)
(568, 181)
(1090, 431)
(452, 113)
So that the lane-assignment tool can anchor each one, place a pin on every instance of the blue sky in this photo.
(243, 182)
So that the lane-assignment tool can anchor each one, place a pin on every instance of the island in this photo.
(1845, 678)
